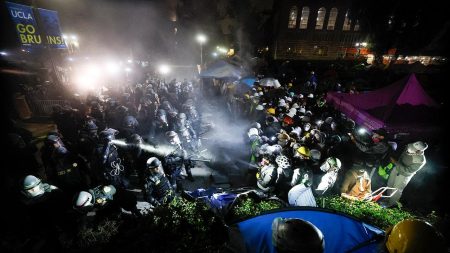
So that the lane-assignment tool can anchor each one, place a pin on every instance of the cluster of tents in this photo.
(402, 107)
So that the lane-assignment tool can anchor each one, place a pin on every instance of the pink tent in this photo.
(400, 107)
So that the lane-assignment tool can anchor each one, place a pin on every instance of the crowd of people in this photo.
(301, 148)
(107, 153)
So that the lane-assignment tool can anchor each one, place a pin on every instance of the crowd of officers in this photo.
(106, 152)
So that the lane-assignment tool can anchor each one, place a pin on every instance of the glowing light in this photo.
(112, 67)
(214, 54)
(362, 131)
(164, 69)
(70, 59)
(201, 38)
(87, 77)
(128, 69)
(73, 37)
(130, 61)
(364, 44)
(64, 37)
(3, 53)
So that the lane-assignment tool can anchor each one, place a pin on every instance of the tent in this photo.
(342, 233)
(222, 69)
(402, 107)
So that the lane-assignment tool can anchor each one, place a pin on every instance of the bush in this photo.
(369, 212)
(181, 226)
(249, 207)
(98, 235)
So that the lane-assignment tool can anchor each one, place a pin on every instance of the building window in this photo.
(293, 17)
(304, 18)
(320, 50)
(332, 18)
(356, 28)
(320, 18)
(347, 23)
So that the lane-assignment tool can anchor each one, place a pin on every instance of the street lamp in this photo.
(201, 38)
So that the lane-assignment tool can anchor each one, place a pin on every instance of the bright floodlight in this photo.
(64, 36)
(164, 69)
(201, 38)
(364, 44)
(112, 67)
(129, 61)
(3, 53)
(87, 76)
(128, 69)
(214, 54)
(73, 37)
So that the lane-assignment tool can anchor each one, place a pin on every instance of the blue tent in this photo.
(342, 233)
(222, 69)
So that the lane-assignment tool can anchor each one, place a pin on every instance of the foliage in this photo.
(181, 226)
(249, 207)
(100, 234)
(369, 212)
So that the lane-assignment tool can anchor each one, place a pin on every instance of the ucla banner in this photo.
(26, 25)
(49, 23)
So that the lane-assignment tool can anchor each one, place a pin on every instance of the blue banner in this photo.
(26, 25)
(49, 22)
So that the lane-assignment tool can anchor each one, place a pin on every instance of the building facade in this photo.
(316, 30)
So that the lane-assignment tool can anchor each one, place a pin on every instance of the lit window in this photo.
(304, 18)
(292, 17)
(356, 26)
(332, 19)
(347, 23)
(320, 50)
(320, 18)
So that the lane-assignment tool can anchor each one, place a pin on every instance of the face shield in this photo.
(35, 191)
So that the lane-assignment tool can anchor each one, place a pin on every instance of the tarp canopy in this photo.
(342, 233)
(222, 69)
(403, 106)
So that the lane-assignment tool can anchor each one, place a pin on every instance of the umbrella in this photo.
(249, 81)
(269, 82)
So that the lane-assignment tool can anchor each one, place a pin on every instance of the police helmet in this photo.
(153, 162)
(296, 235)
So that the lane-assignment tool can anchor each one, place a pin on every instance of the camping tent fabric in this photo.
(222, 69)
(404, 105)
(341, 232)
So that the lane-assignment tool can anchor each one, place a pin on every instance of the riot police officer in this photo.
(158, 190)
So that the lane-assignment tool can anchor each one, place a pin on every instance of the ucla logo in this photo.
(21, 14)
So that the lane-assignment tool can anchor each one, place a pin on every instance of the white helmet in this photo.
(83, 199)
(331, 163)
(310, 95)
(252, 131)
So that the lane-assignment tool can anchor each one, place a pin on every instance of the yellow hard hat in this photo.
(304, 151)
(271, 111)
(259, 89)
(289, 84)
(413, 236)
(247, 96)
